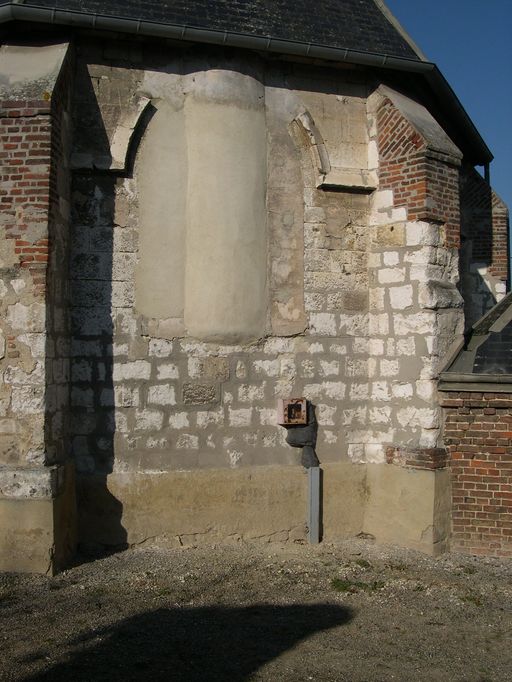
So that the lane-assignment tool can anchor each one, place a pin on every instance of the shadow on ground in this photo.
(204, 643)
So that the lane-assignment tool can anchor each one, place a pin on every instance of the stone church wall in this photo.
(231, 231)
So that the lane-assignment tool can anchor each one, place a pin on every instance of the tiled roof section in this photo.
(488, 348)
(349, 24)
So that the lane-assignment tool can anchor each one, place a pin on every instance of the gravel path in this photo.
(352, 611)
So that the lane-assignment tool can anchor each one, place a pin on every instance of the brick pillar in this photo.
(36, 487)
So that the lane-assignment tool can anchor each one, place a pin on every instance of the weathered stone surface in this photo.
(199, 394)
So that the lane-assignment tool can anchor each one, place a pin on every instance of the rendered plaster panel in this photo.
(343, 499)
(408, 507)
(262, 504)
(26, 535)
(38, 534)
(265, 503)
(342, 122)
(33, 69)
(162, 179)
(225, 277)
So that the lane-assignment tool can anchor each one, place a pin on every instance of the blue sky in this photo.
(471, 42)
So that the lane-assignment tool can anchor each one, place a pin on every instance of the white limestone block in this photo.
(160, 348)
(268, 416)
(390, 258)
(401, 297)
(355, 415)
(374, 453)
(425, 390)
(391, 275)
(331, 389)
(402, 390)
(380, 391)
(162, 394)
(187, 441)
(359, 391)
(29, 318)
(240, 417)
(325, 414)
(406, 346)
(376, 298)
(167, 371)
(415, 323)
(248, 393)
(389, 368)
(356, 453)
(379, 324)
(126, 396)
(428, 438)
(269, 368)
(354, 325)
(376, 347)
(374, 260)
(323, 324)
(179, 420)
(137, 369)
(210, 417)
(422, 234)
(148, 420)
(379, 415)
(383, 199)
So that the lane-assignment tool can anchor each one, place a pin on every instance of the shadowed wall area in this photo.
(207, 643)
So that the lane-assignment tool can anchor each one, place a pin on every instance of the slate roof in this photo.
(347, 24)
(487, 351)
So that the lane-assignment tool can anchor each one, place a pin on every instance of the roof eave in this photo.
(480, 153)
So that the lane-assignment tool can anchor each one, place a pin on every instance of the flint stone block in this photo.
(199, 394)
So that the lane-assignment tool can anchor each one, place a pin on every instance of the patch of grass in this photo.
(398, 566)
(8, 585)
(164, 591)
(363, 563)
(344, 585)
(472, 599)
(468, 570)
(419, 587)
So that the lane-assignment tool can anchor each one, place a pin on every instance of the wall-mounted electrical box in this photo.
(292, 411)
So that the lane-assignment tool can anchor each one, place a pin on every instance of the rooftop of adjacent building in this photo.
(486, 355)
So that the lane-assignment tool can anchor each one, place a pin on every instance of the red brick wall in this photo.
(423, 181)
(484, 222)
(478, 437)
(25, 132)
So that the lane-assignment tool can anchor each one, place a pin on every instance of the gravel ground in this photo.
(352, 611)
